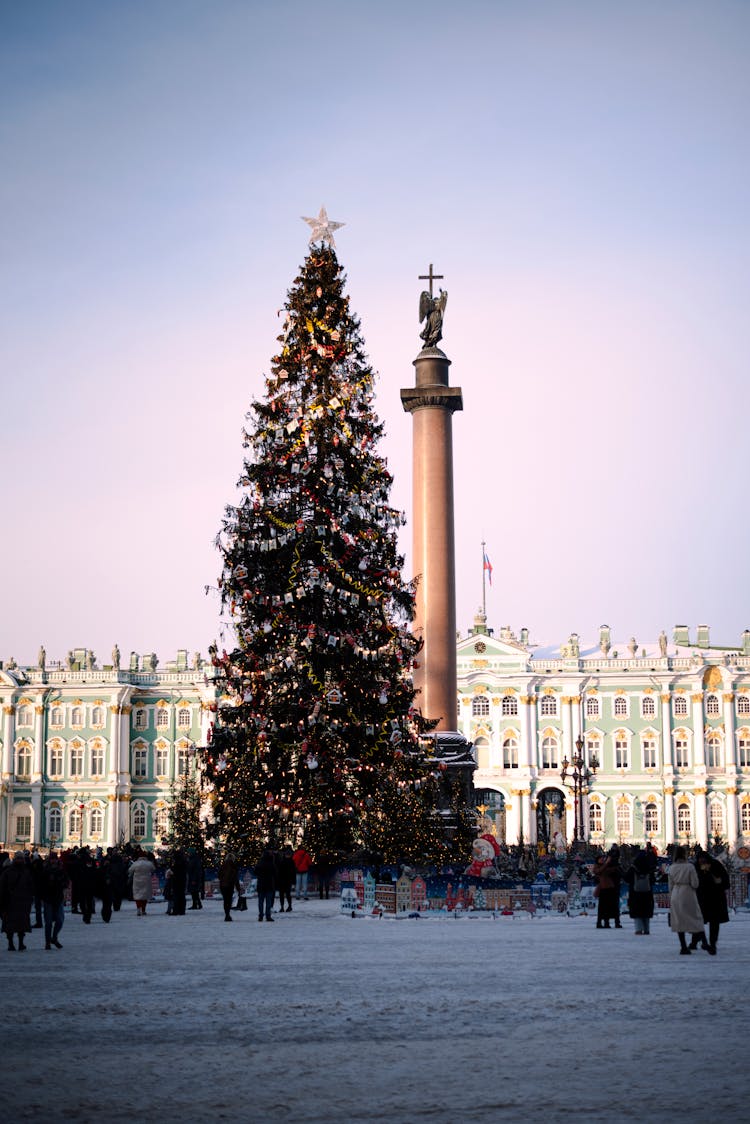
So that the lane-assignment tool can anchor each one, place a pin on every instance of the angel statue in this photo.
(431, 309)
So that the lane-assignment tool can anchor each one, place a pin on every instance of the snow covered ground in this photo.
(321, 1017)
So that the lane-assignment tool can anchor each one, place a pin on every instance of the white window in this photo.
(162, 718)
(56, 716)
(622, 755)
(681, 753)
(140, 720)
(24, 717)
(23, 762)
(510, 706)
(712, 705)
(743, 704)
(679, 706)
(621, 706)
(743, 751)
(624, 820)
(97, 759)
(549, 705)
(683, 819)
(648, 706)
(140, 760)
(549, 753)
(76, 759)
(715, 818)
(74, 823)
(54, 822)
(592, 706)
(96, 821)
(76, 716)
(183, 718)
(481, 751)
(745, 818)
(480, 706)
(510, 753)
(23, 827)
(713, 752)
(161, 823)
(648, 746)
(139, 822)
(596, 817)
(651, 819)
(97, 716)
(161, 759)
(182, 759)
(593, 751)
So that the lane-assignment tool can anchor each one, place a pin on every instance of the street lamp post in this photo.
(80, 799)
(577, 774)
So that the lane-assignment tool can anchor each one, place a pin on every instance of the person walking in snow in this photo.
(684, 912)
(195, 878)
(640, 880)
(713, 883)
(608, 874)
(53, 900)
(286, 875)
(141, 870)
(265, 874)
(16, 899)
(302, 863)
(229, 881)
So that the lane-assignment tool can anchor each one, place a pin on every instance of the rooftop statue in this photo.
(432, 310)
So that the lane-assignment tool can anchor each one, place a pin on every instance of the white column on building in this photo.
(699, 749)
(730, 746)
(37, 759)
(9, 716)
(567, 729)
(732, 824)
(528, 732)
(700, 794)
(666, 732)
(577, 727)
(669, 824)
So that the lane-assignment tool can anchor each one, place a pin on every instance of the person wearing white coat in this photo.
(684, 912)
(140, 876)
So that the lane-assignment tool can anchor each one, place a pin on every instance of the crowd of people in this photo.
(697, 894)
(35, 887)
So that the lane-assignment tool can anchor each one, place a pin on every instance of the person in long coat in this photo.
(265, 874)
(195, 877)
(140, 874)
(713, 883)
(608, 874)
(684, 912)
(229, 881)
(640, 880)
(16, 900)
(179, 883)
(286, 876)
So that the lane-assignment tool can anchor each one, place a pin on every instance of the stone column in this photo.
(37, 757)
(730, 746)
(666, 733)
(732, 824)
(567, 734)
(699, 748)
(432, 402)
(9, 716)
(700, 829)
(669, 824)
(527, 731)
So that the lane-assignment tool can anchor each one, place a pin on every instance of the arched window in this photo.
(592, 706)
(596, 817)
(479, 706)
(743, 749)
(162, 718)
(549, 705)
(56, 716)
(510, 706)
(74, 823)
(161, 758)
(684, 822)
(24, 717)
(745, 817)
(76, 716)
(648, 706)
(679, 706)
(140, 762)
(140, 719)
(743, 704)
(139, 822)
(96, 821)
(549, 752)
(510, 753)
(76, 759)
(97, 758)
(23, 762)
(621, 706)
(161, 823)
(624, 820)
(712, 705)
(715, 818)
(97, 716)
(482, 751)
(183, 718)
(713, 752)
(651, 819)
(54, 822)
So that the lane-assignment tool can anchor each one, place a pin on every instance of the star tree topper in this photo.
(323, 228)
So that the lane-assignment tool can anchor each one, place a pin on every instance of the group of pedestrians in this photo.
(28, 883)
(281, 870)
(697, 895)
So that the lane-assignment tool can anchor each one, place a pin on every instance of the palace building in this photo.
(91, 754)
(654, 739)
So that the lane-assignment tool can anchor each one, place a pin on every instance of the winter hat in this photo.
(19, 857)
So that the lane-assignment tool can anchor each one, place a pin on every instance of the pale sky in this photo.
(577, 170)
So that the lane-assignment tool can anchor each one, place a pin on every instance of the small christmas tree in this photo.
(319, 740)
(185, 825)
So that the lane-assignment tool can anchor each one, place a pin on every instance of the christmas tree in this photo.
(319, 740)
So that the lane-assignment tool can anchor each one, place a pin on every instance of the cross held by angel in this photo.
(432, 310)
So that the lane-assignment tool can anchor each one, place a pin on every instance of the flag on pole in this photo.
(487, 565)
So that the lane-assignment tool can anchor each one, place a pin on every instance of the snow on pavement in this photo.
(321, 1017)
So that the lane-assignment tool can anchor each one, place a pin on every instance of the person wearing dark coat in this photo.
(16, 899)
(103, 886)
(286, 876)
(86, 885)
(229, 881)
(37, 875)
(118, 877)
(640, 879)
(179, 882)
(265, 874)
(195, 878)
(53, 898)
(713, 883)
(608, 874)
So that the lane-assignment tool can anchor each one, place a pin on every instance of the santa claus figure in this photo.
(484, 851)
